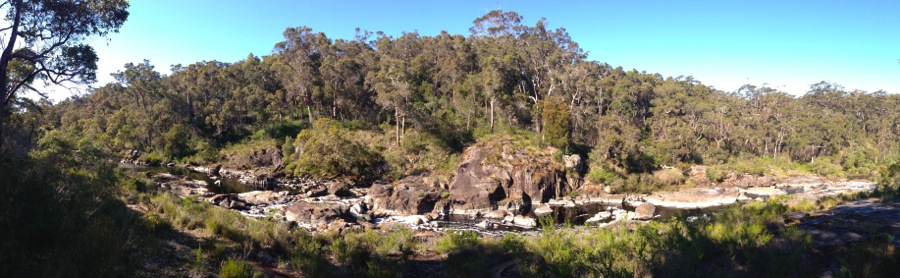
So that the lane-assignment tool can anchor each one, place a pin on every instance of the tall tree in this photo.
(47, 35)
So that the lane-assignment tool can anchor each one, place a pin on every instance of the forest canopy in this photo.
(505, 76)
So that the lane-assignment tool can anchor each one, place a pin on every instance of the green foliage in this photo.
(287, 149)
(872, 257)
(309, 256)
(236, 268)
(177, 142)
(456, 241)
(602, 175)
(556, 126)
(327, 150)
(889, 183)
(68, 221)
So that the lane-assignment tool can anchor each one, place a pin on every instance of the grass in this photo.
(236, 268)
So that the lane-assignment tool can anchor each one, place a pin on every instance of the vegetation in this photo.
(505, 77)
(387, 107)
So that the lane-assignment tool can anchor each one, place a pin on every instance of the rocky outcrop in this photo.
(268, 157)
(499, 174)
(747, 181)
(411, 195)
(694, 197)
(644, 211)
(316, 213)
(181, 186)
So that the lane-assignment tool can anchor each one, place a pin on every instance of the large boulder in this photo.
(411, 195)
(644, 211)
(316, 213)
(498, 171)
(267, 157)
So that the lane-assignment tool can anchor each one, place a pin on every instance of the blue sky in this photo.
(785, 44)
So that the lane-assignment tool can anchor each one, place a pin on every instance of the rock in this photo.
(340, 188)
(602, 216)
(315, 213)
(411, 220)
(748, 181)
(797, 216)
(366, 225)
(317, 191)
(496, 214)
(644, 211)
(482, 224)
(491, 172)
(406, 197)
(573, 162)
(358, 209)
(508, 218)
(338, 225)
(543, 210)
(762, 192)
(694, 197)
(524, 221)
(264, 197)
(268, 157)
(214, 169)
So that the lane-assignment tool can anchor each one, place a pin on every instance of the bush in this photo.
(177, 141)
(556, 127)
(235, 268)
(668, 177)
(455, 241)
(327, 151)
(63, 215)
(602, 175)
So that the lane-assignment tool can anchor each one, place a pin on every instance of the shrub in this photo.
(235, 268)
(456, 240)
(177, 141)
(556, 127)
(602, 175)
(327, 151)
(669, 177)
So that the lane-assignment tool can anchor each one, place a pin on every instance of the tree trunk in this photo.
(5, 93)
(492, 115)
(397, 125)
(309, 113)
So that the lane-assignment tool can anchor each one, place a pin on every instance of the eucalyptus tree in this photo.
(300, 57)
(43, 40)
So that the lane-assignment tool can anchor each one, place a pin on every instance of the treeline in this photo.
(504, 76)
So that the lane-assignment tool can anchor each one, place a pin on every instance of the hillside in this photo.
(508, 124)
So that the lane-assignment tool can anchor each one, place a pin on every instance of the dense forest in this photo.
(505, 76)
(379, 107)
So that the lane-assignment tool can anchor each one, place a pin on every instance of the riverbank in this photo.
(327, 205)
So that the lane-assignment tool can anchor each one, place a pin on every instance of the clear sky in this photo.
(724, 43)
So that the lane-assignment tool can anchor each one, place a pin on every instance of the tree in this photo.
(47, 36)
(555, 114)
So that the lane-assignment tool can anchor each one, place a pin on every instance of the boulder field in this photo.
(496, 182)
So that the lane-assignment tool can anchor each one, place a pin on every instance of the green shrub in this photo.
(236, 268)
(327, 151)
(602, 175)
(556, 127)
(455, 241)
(309, 256)
(668, 177)
(177, 141)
